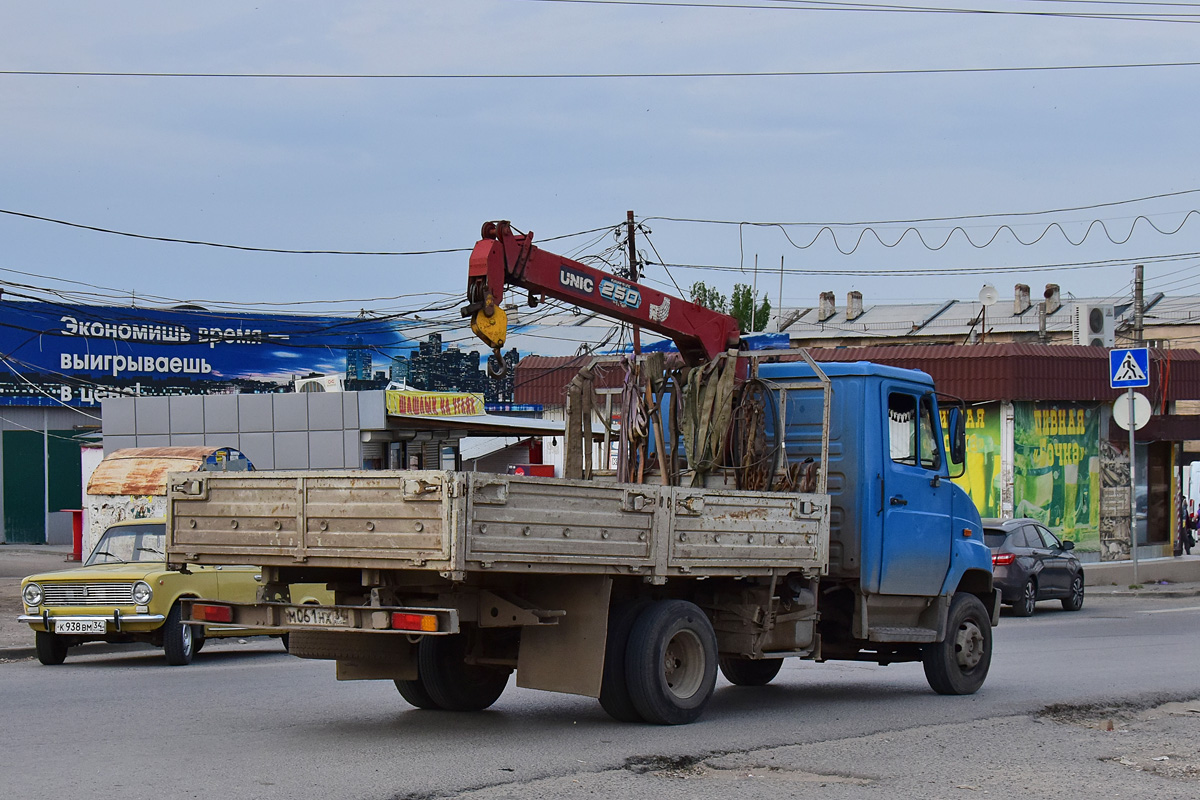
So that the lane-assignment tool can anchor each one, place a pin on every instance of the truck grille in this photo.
(87, 594)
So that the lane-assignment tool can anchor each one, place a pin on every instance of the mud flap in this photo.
(567, 657)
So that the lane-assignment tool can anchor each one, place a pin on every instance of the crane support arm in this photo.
(502, 258)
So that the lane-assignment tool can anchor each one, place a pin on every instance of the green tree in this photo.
(750, 318)
(707, 296)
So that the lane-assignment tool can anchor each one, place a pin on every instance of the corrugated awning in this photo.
(143, 470)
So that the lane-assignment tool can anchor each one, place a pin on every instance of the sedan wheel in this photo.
(1075, 601)
(1024, 605)
(177, 638)
(51, 648)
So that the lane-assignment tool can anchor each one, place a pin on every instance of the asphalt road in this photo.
(249, 721)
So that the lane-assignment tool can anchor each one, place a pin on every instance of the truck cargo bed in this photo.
(458, 522)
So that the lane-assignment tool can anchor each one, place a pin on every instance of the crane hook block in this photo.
(492, 327)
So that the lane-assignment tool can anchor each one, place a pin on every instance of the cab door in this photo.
(916, 498)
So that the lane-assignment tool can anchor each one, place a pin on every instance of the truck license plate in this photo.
(316, 615)
(80, 626)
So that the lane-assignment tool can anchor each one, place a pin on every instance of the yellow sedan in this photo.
(125, 593)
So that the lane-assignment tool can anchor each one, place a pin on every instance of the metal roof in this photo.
(977, 373)
(1028, 371)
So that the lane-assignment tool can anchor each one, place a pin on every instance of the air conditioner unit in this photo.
(1095, 325)
(321, 383)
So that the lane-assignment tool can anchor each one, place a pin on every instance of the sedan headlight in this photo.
(32, 594)
(142, 593)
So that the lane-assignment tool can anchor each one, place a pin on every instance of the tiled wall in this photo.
(314, 430)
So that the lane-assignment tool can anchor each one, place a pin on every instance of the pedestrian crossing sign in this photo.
(1128, 369)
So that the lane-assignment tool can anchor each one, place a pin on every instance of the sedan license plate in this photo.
(80, 626)
(316, 615)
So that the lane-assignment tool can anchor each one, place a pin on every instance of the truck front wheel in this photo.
(450, 682)
(671, 662)
(959, 664)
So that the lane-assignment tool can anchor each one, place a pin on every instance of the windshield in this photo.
(128, 543)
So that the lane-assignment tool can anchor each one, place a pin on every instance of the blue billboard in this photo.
(58, 353)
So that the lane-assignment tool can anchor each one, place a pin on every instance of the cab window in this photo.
(911, 433)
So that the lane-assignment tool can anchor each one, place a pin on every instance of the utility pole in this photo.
(630, 226)
(779, 308)
(1138, 304)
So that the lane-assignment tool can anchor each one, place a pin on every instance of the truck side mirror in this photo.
(958, 436)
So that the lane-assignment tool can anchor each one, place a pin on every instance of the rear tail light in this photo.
(1003, 559)
(426, 623)
(207, 613)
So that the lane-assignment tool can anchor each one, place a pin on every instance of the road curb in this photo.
(88, 649)
(1153, 593)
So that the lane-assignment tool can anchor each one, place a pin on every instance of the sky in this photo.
(882, 156)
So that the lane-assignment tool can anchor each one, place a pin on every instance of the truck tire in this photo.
(178, 644)
(614, 688)
(451, 683)
(749, 671)
(415, 693)
(960, 664)
(671, 662)
(51, 648)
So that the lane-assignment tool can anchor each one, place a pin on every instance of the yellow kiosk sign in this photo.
(410, 403)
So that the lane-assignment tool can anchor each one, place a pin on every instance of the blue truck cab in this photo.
(909, 574)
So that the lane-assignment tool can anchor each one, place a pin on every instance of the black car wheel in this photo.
(51, 648)
(178, 644)
(1024, 605)
(1075, 601)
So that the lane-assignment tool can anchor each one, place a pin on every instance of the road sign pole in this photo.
(1133, 537)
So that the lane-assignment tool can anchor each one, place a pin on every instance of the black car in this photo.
(1029, 563)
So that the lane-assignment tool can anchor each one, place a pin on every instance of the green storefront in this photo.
(1055, 465)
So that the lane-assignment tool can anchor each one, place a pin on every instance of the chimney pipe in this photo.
(1053, 301)
(854, 307)
(1021, 301)
(827, 307)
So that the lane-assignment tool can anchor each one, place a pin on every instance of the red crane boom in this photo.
(503, 258)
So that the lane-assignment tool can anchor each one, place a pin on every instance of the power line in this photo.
(931, 271)
(288, 251)
(891, 8)
(957, 218)
(512, 76)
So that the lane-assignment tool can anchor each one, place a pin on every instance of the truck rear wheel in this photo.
(960, 664)
(749, 671)
(416, 694)
(614, 688)
(450, 682)
(671, 662)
